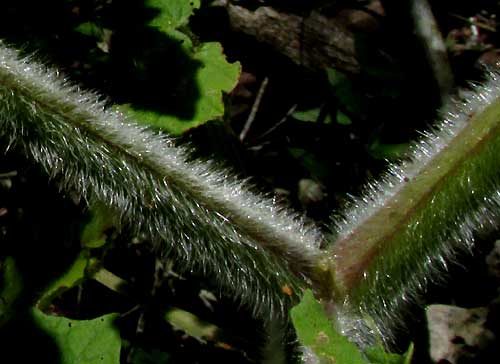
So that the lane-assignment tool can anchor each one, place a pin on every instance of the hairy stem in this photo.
(388, 243)
(393, 239)
(199, 215)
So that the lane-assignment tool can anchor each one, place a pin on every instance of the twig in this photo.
(426, 28)
(8, 174)
(275, 126)
(111, 281)
(255, 108)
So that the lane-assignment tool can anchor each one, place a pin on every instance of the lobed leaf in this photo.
(172, 14)
(214, 77)
(82, 341)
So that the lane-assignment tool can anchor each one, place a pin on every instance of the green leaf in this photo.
(172, 13)
(343, 90)
(336, 78)
(103, 35)
(377, 355)
(311, 115)
(343, 119)
(71, 278)
(82, 341)
(94, 233)
(214, 76)
(307, 115)
(317, 332)
(90, 29)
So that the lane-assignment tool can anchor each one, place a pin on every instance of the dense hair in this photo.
(194, 212)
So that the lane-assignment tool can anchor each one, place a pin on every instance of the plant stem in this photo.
(393, 239)
(193, 212)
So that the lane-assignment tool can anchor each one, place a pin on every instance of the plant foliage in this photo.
(214, 75)
(82, 341)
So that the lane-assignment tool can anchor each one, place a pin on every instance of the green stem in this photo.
(405, 227)
(199, 215)
(111, 281)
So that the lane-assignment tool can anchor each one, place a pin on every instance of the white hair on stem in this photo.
(202, 215)
(406, 226)
(387, 245)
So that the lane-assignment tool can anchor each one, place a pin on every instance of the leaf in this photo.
(307, 115)
(82, 341)
(103, 35)
(317, 332)
(172, 14)
(343, 119)
(90, 29)
(336, 78)
(214, 76)
(71, 278)
(94, 232)
(343, 90)
(377, 355)
(311, 115)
